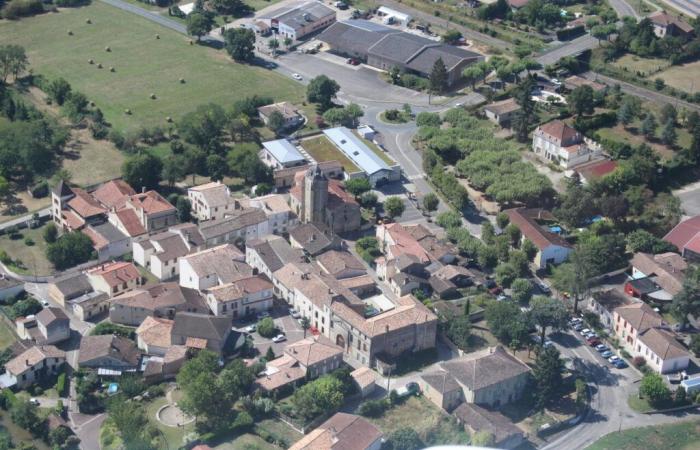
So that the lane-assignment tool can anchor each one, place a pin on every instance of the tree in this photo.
(322, 90)
(687, 302)
(236, 8)
(204, 127)
(25, 415)
(668, 112)
(648, 127)
(547, 374)
(668, 134)
(523, 97)
(581, 100)
(602, 32)
(438, 77)
(50, 233)
(394, 206)
(70, 250)
(654, 389)
(287, 41)
(449, 219)
(483, 439)
(58, 90)
(305, 324)
(459, 330)
(322, 395)
(13, 61)
(243, 162)
(573, 277)
(273, 44)
(405, 439)
(354, 112)
(216, 167)
(240, 43)
(643, 241)
(474, 73)
(58, 436)
(451, 36)
(130, 419)
(430, 202)
(174, 169)
(692, 121)
(507, 322)
(184, 209)
(357, 186)
(267, 327)
(627, 112)
(142, 171)
(275, 122)
(547, 312)
(270, 354)
(199, 23)
(521, 290)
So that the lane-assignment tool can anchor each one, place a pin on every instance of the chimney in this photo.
(143, 189)
(26, 361)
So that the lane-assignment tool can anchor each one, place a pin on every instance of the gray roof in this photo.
(299, 16)
(484, 420)
(485, 368)
(73, 285)
(201, 326)
(356, 150)
(441, 381)
(243, 218)
(109, 232)
(122, 349)
(310, 238)
(275, 252)
(354, 36)
(283, 151)
(51, 314)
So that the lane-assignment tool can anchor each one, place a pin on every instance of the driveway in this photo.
(690, 199)
(87, 428)
(287, 325)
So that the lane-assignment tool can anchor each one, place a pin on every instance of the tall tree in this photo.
(431, 202)
(548, 375)
(668, 134)
(199, 23)
(322, 90)
(240, 43)
(174, 169)
(627, 112)
(581, 100)
(573, 277)
(142, 171)
(438, 77)
(687, 302)
(648, 127)
(13, 61)
(547, 312)
(524, 117)
(394, 206)
(204, 127)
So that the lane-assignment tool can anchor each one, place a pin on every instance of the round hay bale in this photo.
(91, 61)
(191, 42)
(111, 69)
(153, 96)
(157, 36)
(92, 104)
(182, 81)
(70, 33)
(107, 49)
(88, 21)
(169, 119)
(127, 111)
(99, 65)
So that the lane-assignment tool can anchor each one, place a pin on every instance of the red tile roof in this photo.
(596, 169)
(113, 193)
(98, 241)
(73, 220)
(524, 219)
(130, 221)
(685, 232)
(151, 202)
(84, 205)
(116, 273)
(558, 130)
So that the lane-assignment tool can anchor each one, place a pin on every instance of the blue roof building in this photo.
(281, 154)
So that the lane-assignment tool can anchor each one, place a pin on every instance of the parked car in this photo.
(544, 288)
(613, 358)
(279, 338)
(606, 354)
(578, 327)
(601, 348)
(34, 401)
(297, 77)
(45, 304)
(251, 328)
(411, 388)
(619, 364)
(294, 314)
(585, 331)
(593, 341)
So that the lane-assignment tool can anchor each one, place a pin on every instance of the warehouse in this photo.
(383, 47)
(300, 20)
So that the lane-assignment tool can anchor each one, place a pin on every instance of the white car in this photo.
(612, 359)
(45, 304)
(297, 77)
(295, 314)
(34, 401)
(585, 331)
(555, 81)
(279, 338)
(251, 328)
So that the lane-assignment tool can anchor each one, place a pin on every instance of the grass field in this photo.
(33, 257)
(7, 335)
(321, 149)
(682, 436)
(246, 441)
(636, 64)
(684, 77)
(143, 65)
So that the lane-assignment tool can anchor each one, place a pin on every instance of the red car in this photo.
(593, 341)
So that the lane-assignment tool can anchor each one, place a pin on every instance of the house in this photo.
(90, 305)
(241, 297)
(395, 240)
(153, 336)
(308, 358)
(668, 25)
(686, 237)
(285, 178)
(239, 226)
(68, 287)
(108, 352)
(342, 431)
(490, 377)
(383, 47)
(213, 267)
(666, 271)
(34, 364)
(300, 20)
(109, 242)
(551, 247)
(161, 300)
(365, 380)
(280, 217)
(159, 253)
(153, 211)
(604, 303)
(502, 112)
(437, 250)
(506, 435)
(341, 264)
(290, 115)
(404, 273)
(643, 332)
(114, 278)
(559, 143)
(445, 281)
(392, 17)
(288, 277)
(370, 163)
(271, 253)
(595, 170)
(211, 200)
(311, 240)
(324, 202)
(200, 331)
(53, 325)
(9, 287)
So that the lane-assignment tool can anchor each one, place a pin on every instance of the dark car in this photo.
(593, 341)
(619, 364)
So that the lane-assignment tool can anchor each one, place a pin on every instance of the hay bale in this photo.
(91, 61)
(107, 49)
(169, 119)
(111, 69)
(70, 33)
(191, 42)
(157, 36)
(153, 96)
(88, 21)
(99, 65)
(182, 81)
(127, 111)
(92, 104)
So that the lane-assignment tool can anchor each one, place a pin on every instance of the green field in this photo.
(684, 77)
(32, 257)
(143, 65)
(682, 436)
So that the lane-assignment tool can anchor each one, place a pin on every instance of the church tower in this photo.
(314, 196)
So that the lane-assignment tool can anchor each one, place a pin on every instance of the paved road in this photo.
(644, 93)
(46, 212)
(573, 47)
(623, 8)
(688, 7)
(690, 199)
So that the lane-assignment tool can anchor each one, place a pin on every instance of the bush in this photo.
(40, 190)
(373, 408)
(639, 362)
(111, 328)
(22, 8)
(61, 384)
(267, 328)
(50, 233)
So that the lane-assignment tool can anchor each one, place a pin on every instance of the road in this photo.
(644, 93)
(691, 8)
(689, 196)
(623, 8)
(46, 212)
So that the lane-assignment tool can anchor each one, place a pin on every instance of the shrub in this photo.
(40, 190)
(111, 328)
(373, 408)
(50, 233)
(22, 8)
(61, 384)
(267, 328)
(29, 242)
(639, 361)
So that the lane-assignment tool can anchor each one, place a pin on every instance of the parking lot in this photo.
(286, 325)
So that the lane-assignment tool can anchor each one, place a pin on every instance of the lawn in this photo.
(634, 64)
(32, 257)
(321, 149)
(279, 430)
(246, 441)
(619, 133)
(684, 77)
(143, 65)
(681, 436)
(7, 334)
(173, 435)
(432, 425)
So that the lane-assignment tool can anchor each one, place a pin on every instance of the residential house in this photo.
(342, 431)
(153, 211)
(643, 332)
(667, 25)
(68, 287)
(159, 253)
(364, 379)
(686, 237)
(297, 21)
(53, 325)
(290, 115)
(213, 267)
(109, 242)
(241, 297)
(309, 238)
(270, 254)
(506, 435)
(559, 143)
(517, 4)
(491, 377)
(162, 300)
(153, 336)
(211, 200)
(446, 280)
(239, 226)
(324, 202)
(281, 154)
(404, 273)
(437, 250)
(34, 364)
(502, 112)
(341, 264)
(395, 240)
(108, 352)
(595, 170)
(88, 306)
(200, 331)
(551, 247)
(280, 217)
(286, 279)
(114, 278)
(666, 271)
(285, 178)
(604, 303)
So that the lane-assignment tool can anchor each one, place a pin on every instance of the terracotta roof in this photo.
(85, 205)
(683, 233)
(559, 131)
(130, 221)
(73, 220)
(640, 316)
(524, 219)
(503, 107)
(485, 368)
(150, 202)
(335, 262)
(404, 242)
(155, 331)
(313, 350)
(483, 420)
(596, 169)
(225, 262)
(664, 19)
(451, 271)
(240, 288)
(667, 269)
(95, 347)
(116, 273)
(517, 3)
(363, 376)
(269, 204)
(292, 275)
(361, 281)
(280, 372)
(341, 432)
(31, 357)
(311, 238)
(113, 194)
(663, 343)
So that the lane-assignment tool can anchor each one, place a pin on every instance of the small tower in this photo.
(314, 195)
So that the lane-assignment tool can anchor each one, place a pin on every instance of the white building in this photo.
(551, 248)
(243, 224)
(213, 267)
(300, 20)
(160, 252)
(280, 217)
(559, 143)
(241, 298)
(391, 16)
(211, 200)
